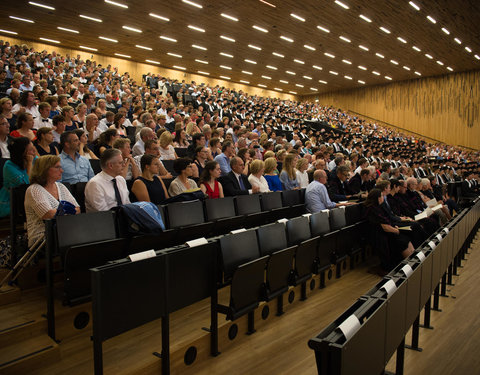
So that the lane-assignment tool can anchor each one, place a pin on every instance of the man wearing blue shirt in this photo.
(76, 168)
(316, 195)
(228, 150)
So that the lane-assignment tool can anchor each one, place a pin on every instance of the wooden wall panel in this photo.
(445, 108)
(137, 69)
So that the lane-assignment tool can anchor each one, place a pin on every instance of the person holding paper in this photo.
(393, 245)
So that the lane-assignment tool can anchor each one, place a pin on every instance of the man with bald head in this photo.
(316, 195)
(91, 123)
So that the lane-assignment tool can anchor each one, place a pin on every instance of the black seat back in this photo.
(319, 223)
(219, 208)
(271, 238)
(298, 230)
(95, 163)
(271, 201)
(353, 214)
(237, 249)
(337, 218)
(248, 204)
(291, 198)
(182, 214)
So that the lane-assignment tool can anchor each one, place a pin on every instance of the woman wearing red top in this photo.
(24, 127)
(208, 180)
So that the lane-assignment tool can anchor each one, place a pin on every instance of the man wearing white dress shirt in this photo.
(107, 189)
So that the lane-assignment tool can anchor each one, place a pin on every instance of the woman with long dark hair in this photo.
(209, 180)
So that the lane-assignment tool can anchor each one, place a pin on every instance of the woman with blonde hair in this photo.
(271, 176)
(44, 195)
(167, 151)
(288, 177)
(301, 172)
(69, 113)
(257, 168)
(81, 115)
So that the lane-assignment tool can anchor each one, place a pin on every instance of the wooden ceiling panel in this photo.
(460, 18)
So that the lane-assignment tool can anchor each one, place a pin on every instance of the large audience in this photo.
(159, 138)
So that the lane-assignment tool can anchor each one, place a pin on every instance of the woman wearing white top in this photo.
(301, 171)
(167, 151)
(257, 167)
(44, 195)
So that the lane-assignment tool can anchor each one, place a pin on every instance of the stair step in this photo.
(24, 357)
(22, 331)
(9, 294)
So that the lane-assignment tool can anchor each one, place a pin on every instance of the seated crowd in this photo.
(59, 116)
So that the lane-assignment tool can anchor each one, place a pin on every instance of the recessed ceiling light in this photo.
(406, 68)
(21, 19)
(122, 55)
(250, 61)
(226, 54)
(299, 61)
(196, 28)
(41, 5)
(278, 54)
(299, 85)
(179, 67)
(458, 41)
(132, 29)
(416, 48)
(153, 61)
(290, 72)
(439, 62)
(143, 47)
(229, 17)
(329, 55)
(389, 78)
(69, 30)
(344, 6)
(348, 77)
(307, 77)
(8, 32)
(88, 48)
(108, 39)
(360, 81)
(255, 47)
(323, 29)
(227, 38)
(276, 88)
(225, 67)
(450, 69)
(205, 73)
(322, 81)
(313, 89)
(283, 81)
(345, 39)
(429, 56)
(477, 57)
(333, 72)
(174, 55)
(272, 67)
(362, 67)
(192, 4)
(260, 29)
(290, 40)
(293, 92)
(468, 49)
(317, 67)
(413, 5)
(199, 47)
(266, 77)
(347, 62)
(201, 61)
(261, 85)
(50, 40)
(379, 55)
(365, 18)
(376, 73)
(247, 72)
(402, 40)
(167, 38)
(418, 73)
(91, 18)
(445, 31)
(246, 82)
(309, 47)
(159, 17)
(394, 62)
(385, 30)
(363, 47)
(297, 17)
(431, 19)
(267, 3)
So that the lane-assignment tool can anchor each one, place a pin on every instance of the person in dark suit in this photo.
(359, 181)
(235, 182)
(337, 187)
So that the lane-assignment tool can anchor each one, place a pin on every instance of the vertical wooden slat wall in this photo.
(445, 108)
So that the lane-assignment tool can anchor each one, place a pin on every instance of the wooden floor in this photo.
(280, 344)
